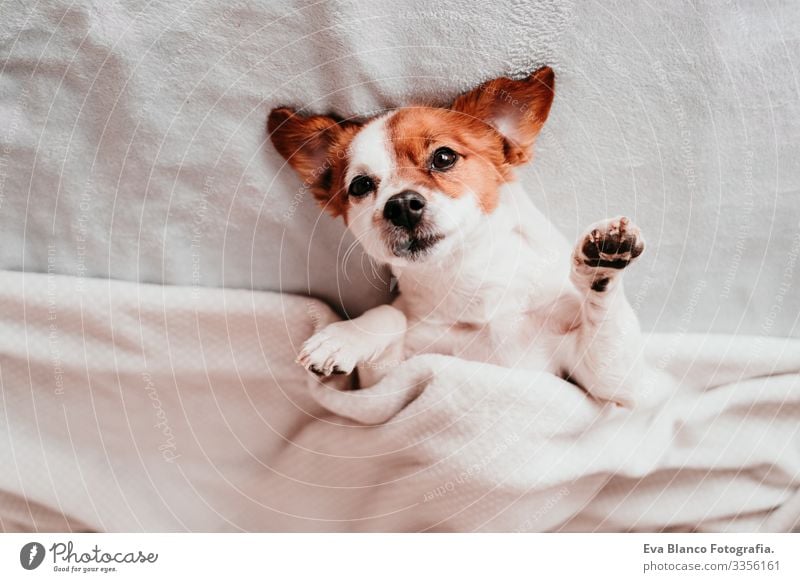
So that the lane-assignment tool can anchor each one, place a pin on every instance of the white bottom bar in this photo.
(406, 557)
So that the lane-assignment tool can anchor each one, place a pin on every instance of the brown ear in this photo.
(312, 145)
(516, 109)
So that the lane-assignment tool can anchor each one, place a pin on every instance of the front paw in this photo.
(331, 351)
(610, 244)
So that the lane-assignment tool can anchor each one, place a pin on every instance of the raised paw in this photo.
(329, 352)
(611, 244)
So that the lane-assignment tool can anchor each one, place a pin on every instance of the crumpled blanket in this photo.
(132, 407)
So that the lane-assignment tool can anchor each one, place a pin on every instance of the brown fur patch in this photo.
(417, 132)
(316, 147)
(520, 106)
(471, 127)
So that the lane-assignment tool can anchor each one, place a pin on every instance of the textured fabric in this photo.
(133, 139)
(132, 407)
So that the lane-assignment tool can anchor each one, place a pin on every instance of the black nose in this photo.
(404, 209)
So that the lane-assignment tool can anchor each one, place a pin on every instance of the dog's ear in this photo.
(313, 145)
(517, 109)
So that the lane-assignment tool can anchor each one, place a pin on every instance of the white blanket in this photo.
(137, 407)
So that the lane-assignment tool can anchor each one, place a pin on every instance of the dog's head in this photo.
(411, 183)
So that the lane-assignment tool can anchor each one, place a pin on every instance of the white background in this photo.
(403, 557)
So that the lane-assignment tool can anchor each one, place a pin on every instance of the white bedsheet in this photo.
(132, 407)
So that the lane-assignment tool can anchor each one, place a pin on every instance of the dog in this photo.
(482, 274)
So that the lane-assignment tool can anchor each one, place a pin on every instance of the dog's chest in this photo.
(499, 304)
(511, 340)
(501, 325)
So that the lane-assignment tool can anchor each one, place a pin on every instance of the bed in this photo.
(161, 268)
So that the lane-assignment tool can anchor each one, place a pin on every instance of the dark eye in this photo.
(443, 159)
(361, 186)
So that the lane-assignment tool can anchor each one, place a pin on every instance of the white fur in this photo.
(371, 155)
(369, 152)
(500, 288)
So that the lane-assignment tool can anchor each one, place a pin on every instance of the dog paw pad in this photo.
(611, 244)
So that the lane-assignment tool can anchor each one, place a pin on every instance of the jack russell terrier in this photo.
(482, 274)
